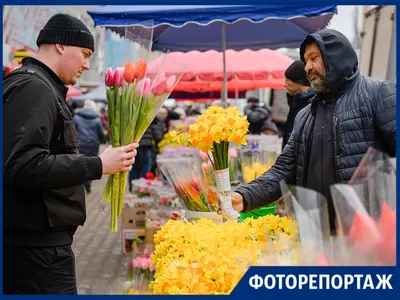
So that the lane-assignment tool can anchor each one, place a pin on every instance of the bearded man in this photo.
(349, 114)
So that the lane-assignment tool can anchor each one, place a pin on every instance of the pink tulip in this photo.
(206, 167)
(119, 77)
(144, 264)
(143, 87)
(152, 267)
(170, 83)
(203, 156)
(232, 153)
(134, 263)
(109, 77)
(159, 85)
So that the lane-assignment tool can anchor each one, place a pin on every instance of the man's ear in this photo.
(60, 48)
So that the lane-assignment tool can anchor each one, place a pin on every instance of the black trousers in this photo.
(49, 270)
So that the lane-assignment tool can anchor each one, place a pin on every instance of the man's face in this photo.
(291, 86)
(75, 62)
(315, 68)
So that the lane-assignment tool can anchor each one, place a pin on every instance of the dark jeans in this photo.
(142, 162)
(49, 270)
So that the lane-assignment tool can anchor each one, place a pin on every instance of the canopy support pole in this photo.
(224, 93)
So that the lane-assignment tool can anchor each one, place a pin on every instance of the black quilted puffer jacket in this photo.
(364, 115)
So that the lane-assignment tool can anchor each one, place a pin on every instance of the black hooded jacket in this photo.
(331, 136)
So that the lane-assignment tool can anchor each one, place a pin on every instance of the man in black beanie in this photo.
(44, 174)
(299, 94)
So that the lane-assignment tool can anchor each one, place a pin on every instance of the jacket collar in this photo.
(35, 62)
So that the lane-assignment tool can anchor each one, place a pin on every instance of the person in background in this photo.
(158, 131)
(163, 116)
(269, 127)
(143, 161)
(90, 131)
(299, 95)
(43, 171)
(256, 115)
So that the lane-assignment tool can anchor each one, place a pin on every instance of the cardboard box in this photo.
(133, 240)
(149, 235)
(133, 218)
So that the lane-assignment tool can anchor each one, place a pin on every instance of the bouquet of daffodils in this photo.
(213, 131)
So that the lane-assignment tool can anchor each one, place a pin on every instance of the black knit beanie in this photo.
(296, 73)
(253, 100)
(67, 30)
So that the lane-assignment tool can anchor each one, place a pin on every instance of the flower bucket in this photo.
(197, 215)
(269, 210)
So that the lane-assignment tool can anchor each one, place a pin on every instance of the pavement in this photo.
(100, 263)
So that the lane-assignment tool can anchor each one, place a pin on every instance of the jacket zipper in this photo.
(337, 135)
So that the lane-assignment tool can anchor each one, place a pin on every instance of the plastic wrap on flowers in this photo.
(121, 78)
(214, 130)
(366, 211)
(134, 98)
(185, 176)
(255, 162)
(310, 210)
(140, 272)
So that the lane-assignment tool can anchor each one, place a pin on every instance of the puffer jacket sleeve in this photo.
(385, 115)
(266, 189)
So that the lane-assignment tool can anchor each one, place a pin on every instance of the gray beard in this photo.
(319, 84)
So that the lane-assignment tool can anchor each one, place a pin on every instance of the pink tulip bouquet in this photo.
(134, 98)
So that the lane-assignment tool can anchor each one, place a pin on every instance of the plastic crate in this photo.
(268, 210)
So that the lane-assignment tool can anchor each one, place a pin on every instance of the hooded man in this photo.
(349, 114)
(299, 94)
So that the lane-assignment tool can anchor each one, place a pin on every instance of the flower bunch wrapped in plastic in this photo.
(255, 162)
(205, 258)
(215, 129)
(366, 211)
(186, 177)
(134, 98)
(309, 210)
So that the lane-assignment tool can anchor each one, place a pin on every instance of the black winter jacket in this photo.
(44, 198)
(256, 116)
(364, 116)
(90, 131)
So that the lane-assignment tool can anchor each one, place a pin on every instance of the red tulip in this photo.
(149, 175)
(321, 260)
(387, 228)
(364, 234)
(140, 69)
(109, 78)
(129, 72)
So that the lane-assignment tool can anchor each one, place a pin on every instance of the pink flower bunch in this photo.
(144, 86)
(143, 263)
